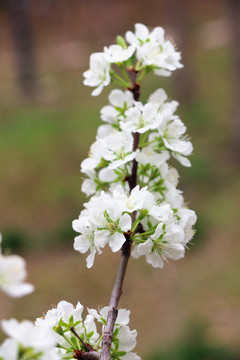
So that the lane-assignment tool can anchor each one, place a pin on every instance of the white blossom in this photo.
(116, 149)
(154, 50)
(30, 336)
(174, 196)
(141, 118)
(147, 155)
(64, 311)
(13, 274)
(117, 54)
(119, 101)
(172, 134)
(99, 73)
(165, 243)
(85, 241)
(160, 97)
(188, 220)
(102, 222)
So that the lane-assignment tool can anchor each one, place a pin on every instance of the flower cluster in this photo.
(147, 51)
(13, 274)
(64, 334)
(74, 334)
(127, 173)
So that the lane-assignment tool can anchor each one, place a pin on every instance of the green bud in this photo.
(59, 330)
(120, 41)
(71, 323)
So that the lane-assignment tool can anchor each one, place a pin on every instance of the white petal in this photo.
(19, 290)
(90, 258)
(123, 316)
(81, 244)
(125, 222)
(101, 237)
(116, 241)
(182, 159)
(127, 338)
(9, 350)
(130, 356)
(159, 96)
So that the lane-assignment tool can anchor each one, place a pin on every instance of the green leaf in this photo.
(90, 334)
(121, 41)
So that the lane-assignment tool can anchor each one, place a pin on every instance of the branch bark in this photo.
(90, 355)
(125, 251)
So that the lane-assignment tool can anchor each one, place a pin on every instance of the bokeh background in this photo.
(48, 120)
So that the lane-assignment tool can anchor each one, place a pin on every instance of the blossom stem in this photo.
(150, 232)
(121, 83)
(124, 72)
(147, 143)
(142, 75)
(87, 347)
(118, 78)
(126, 248)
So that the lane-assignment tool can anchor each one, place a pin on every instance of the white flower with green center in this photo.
(141, 118)
(112, 231)
(99, 73)
(102, 222)
(112, 151)
(165, 243)
(172, 134)
(85, 241)
(117, 149)
(152, 49)
(119, 101)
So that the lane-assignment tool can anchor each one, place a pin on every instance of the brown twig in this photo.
(90, 355)
(126, 248)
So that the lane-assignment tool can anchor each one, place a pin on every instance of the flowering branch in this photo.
(135, 205)
(125, 251)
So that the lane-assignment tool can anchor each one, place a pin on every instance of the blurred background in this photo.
(48, 120)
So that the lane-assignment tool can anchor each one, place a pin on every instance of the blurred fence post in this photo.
(23, 44)
(234, 15)
(179, 15)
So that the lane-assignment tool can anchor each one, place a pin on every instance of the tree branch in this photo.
(126, 249)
